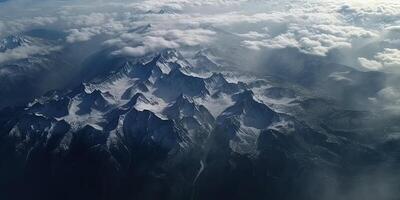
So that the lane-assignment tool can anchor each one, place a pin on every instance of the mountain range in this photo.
(175, 126)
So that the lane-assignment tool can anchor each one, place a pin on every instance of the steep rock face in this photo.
(93, 101)
(252, 113)
(250, 118)
(204, 61)
(217, 83)
(54, 108)
(144, 128)
(176, 82)
(34, 130)
(185, 106)
(196, 119)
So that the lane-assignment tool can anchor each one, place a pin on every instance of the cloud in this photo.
(371, 13)
(26, 51)
(150, 44)
(389, 58)
(370, 64)
(21, 24)
(314, 39)
(389, 99)
(156, 39)
(393, 30)
(189, 37)
(81, 35)
(92, 19)
(389, 93)
(315, 29)
(253, 35)
(179, 4)
(340, 76)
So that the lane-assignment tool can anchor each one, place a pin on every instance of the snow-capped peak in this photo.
(251, 112)
(13, 41)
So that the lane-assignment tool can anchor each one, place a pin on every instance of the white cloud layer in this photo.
(370, 64)
(389, 58)
(313, 27)
(160, 39)
(26, 51)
